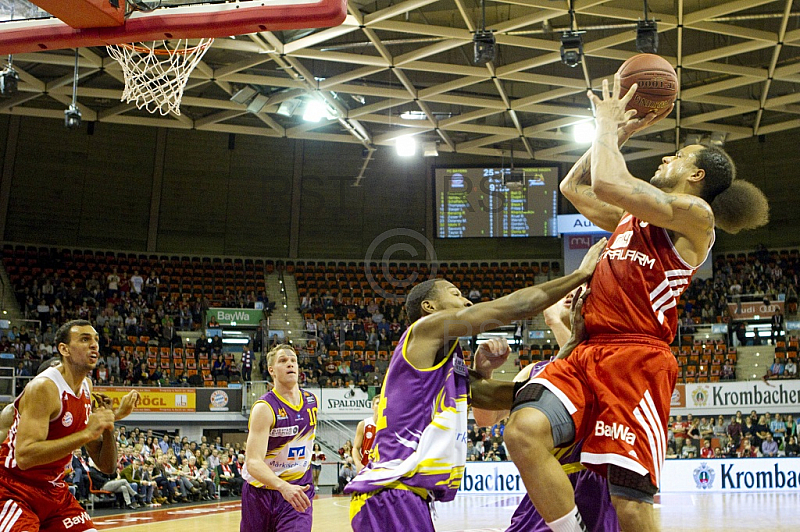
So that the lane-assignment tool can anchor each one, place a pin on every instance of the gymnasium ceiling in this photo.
(738, 63)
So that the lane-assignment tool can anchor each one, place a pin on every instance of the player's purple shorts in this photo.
(390, 509)
(265, 510)
(591, 498)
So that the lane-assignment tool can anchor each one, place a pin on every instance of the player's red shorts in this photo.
(617, 390)
(41, 507)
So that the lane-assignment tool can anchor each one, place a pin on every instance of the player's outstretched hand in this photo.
(296, 496)
(100, 420)
(490, 355)
(612, 106)
(589, 262)
(578, 328)
(127, 404)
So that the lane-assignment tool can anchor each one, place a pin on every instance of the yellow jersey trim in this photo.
(434, 368)
(296, 407)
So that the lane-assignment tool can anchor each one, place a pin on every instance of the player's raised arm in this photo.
(442, 322)
(672, 206)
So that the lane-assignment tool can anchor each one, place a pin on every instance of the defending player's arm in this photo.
(685, 214)
(38, 405)
(431, 332)
(357, 442)
(261, 422)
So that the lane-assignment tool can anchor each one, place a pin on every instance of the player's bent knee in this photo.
(546, 417)
(634, 516)
(527, 429)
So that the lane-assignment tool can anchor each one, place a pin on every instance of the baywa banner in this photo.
(731, 475)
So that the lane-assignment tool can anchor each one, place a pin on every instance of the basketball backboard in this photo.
(25, 27)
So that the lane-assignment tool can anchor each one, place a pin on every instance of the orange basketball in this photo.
(657, 84)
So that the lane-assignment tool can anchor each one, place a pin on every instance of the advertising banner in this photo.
(235, 317)
(352, 403)
(731, 475)
(728, 397)
(155, 399)
(754, 310)
(491, 478)
(219, 399)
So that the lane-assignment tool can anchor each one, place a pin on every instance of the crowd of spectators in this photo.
(153, 470)
(486, 444)
(752, 277)
(734, 436)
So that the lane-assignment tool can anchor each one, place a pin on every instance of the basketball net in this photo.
(156, 74)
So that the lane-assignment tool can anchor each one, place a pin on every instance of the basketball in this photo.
(657, 84)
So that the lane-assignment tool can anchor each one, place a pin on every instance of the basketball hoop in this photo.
(155, 73)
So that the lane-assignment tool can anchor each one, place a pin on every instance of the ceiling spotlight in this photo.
(315, 111)
(571, 48)
(647, 36)
(244, 95)
(72, 117)
(583, 133)
(718, 139)
(406, 146)
(429, 149)
(692, 139)
(9, 79)
(484, 47)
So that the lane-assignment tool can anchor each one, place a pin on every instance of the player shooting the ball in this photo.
(622, 377)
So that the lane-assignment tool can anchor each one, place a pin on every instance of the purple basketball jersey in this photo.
(291, 438)
(420, 443)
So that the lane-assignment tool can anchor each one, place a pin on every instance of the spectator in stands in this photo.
(247, 362)
(347, 473)
(721, 431)
(777, 325)
(474, 295)
(778, 429)
(113, 283)
(219, 369)
(759, 432)
(769, 447)
(694, 431)
(748, 450)
(115, 484)
(228, 475)
(473, 454)
(137, 283)
(791, 448)
(499, 451)
(706, 428)
(727, 373)
(80, 478)
(689, 449)
(790, 371)
(777, 368)
(707, 451)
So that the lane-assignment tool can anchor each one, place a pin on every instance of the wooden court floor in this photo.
(772, 512)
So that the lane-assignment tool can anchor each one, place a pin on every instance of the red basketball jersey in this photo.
(369, 439)
(637, 283)
(73, 417)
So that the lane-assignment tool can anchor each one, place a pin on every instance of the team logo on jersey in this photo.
(459, 366)
(284, 432)
(704, 476)
(67, 419)
(310, 399)
(282, 414)
(643, 224)
(296, 453)
(622, 240)
(615, 431)
(700, 396)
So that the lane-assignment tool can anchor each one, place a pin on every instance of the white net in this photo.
(156, 73)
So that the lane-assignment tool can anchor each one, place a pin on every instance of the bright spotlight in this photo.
(406, 146)
(315, 111)
(583, 132)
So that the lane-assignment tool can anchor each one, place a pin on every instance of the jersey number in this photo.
(312, 415)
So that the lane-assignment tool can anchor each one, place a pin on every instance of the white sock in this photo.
(572, 522)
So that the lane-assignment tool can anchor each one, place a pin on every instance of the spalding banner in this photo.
(344, 403)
